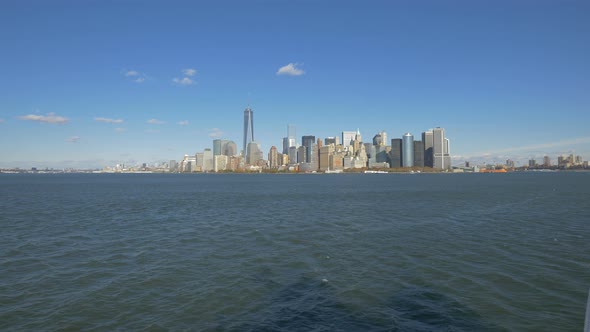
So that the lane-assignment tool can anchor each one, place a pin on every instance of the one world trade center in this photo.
(248, 128)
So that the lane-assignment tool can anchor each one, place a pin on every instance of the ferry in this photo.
(376, 172)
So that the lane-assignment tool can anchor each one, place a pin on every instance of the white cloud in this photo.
(73, 139)
(215, 133)
(49, 118)
(291, 70)
(108, 120)
(120, 130)
(155, 121)
(135, 76)
(189, 72)
(183, 123)
(182, 81)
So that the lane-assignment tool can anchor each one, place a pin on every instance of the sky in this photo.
(88, 84)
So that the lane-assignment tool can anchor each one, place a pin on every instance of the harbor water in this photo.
(262, 252)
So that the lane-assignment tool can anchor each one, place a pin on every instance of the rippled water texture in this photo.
(382, 252)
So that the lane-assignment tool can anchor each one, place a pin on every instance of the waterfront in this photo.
(255, 252)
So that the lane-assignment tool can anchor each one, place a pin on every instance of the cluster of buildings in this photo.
(563, 162)
(311, 154)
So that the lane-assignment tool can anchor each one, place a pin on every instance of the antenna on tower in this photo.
(248, 100)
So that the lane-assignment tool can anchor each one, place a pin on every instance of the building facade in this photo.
(248, 129)
(408, 150)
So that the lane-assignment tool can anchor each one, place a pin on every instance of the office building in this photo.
(546, 161)
(229, 148)
(314, 157)
(253, 153)
(440, 148)
(217, 143)
(301, 154)
(308, 141)
(273, 158)
(325, 153)
(331, 140)
(428, 142)
(348, 138)
(396, 153)
(292, 155)
(380, 139)
(418, 154)
(207, 160)
(199, 156)
(173, 166)
(220, 163)
(408, 150)
(382, 153)
(248, 129)
(285, 145)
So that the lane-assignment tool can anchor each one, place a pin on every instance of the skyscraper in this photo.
(248, 129)
(330, 140)
(301, 154)
(396, 153)
(408, 150)
(440, 149)
(285, 145)
(418, 154)
(308, 141)
(254, 154)
(229, 148)
(428, 145)
(292, 155)
(273, 158)
(290, 140)
(348, 137)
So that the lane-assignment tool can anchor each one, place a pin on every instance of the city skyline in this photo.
(160, 81)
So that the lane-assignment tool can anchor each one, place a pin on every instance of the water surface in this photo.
(354, 252)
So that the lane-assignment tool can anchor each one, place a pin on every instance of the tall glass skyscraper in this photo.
(428, 141)
(308, 141)
(408, 150)
(442, 158)
(248, 128)
(396, 153)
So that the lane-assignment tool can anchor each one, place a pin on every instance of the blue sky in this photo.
(95, 83)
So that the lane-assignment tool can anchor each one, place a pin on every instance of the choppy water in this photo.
(382, 252)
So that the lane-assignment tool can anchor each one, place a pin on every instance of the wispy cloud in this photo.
(215, 133)
(291, 70)
(73, 139)
(49, 118)
(189, 72)
(183, 123)
(182, 81)
(108, 120)
(120, 130)
(135, 76)
(186, 80)
(152, 131)
(155, 121)
(2, 121)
